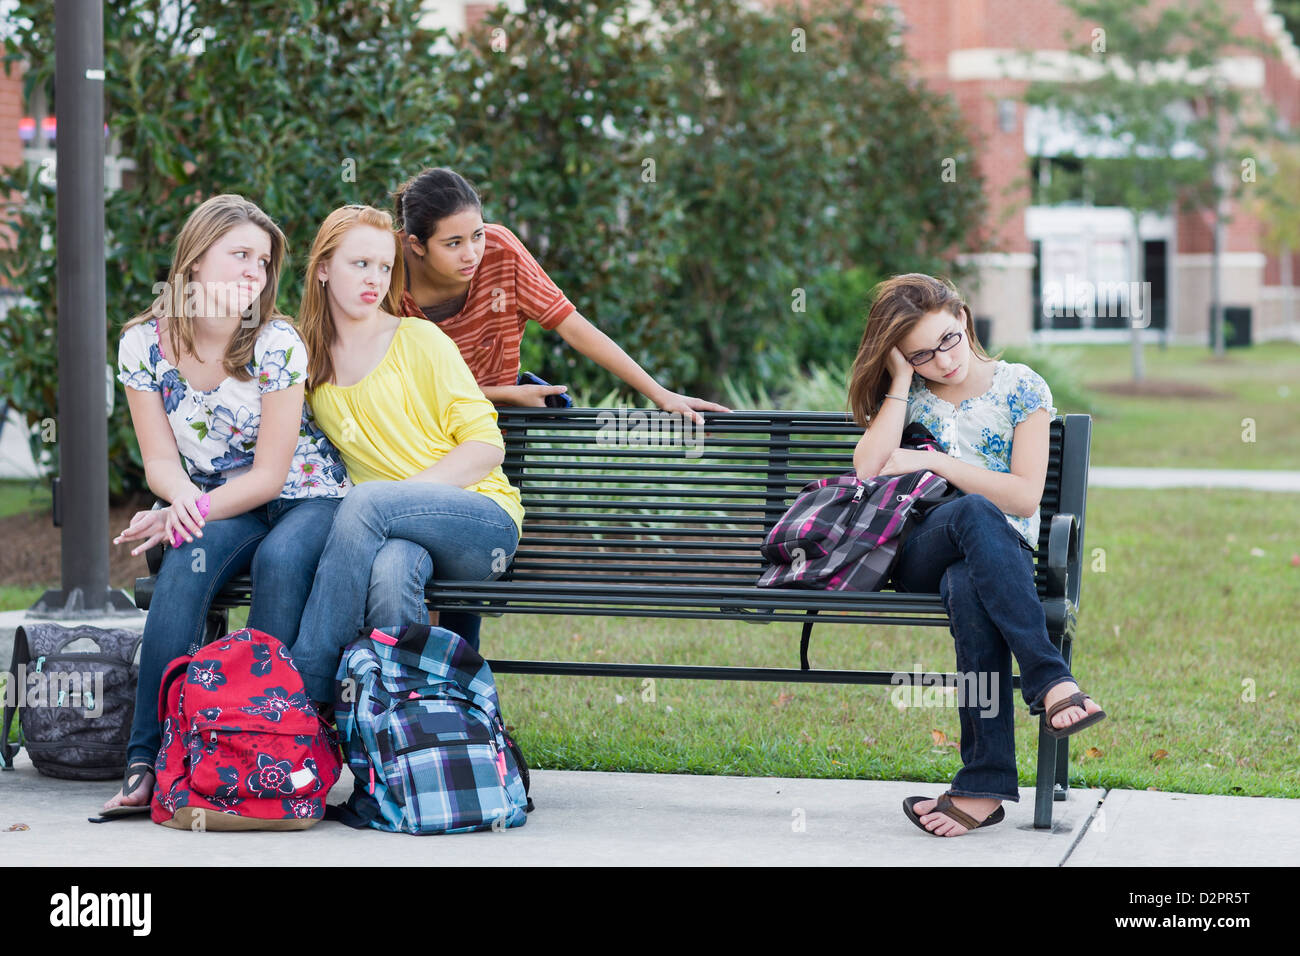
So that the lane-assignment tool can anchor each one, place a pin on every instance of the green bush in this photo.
(555, 110)
(811, 151)
(715, 186)
(815, 389)
(300, 106)
(695, 180)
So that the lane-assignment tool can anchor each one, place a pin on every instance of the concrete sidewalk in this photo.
(615, 819)
(1153, 478)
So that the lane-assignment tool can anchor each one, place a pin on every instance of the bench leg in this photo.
(1053, 778)
(218, 625)
(1045, 778)
(1062, 768)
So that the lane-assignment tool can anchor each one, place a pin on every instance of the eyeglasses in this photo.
(949, 341)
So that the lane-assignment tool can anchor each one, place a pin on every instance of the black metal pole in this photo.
(82, 427)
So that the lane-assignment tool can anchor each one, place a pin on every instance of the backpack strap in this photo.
(804, 639)
(174, 670)
(347, 813)
(21, 656)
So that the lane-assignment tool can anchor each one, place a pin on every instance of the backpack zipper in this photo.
(102, 658)
(87, 699)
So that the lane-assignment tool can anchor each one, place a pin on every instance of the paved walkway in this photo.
(1101, 477)
(613, 819)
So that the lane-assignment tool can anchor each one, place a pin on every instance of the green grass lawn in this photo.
(19, 599)
(1261, 384)
(21, 497)
(1186, 637)
(1181, 627)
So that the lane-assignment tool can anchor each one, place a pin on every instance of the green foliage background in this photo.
(716, 187)
(280, 98)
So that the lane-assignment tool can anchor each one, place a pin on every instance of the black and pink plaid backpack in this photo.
(844, 534)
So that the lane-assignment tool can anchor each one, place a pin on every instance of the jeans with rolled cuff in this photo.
(967, 552)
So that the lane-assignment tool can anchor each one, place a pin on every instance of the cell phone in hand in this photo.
(561, 400)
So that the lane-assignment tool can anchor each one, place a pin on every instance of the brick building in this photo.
(969, 49)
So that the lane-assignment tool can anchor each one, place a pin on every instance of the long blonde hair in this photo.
(205, 225)
(897, 305)
(315, 320)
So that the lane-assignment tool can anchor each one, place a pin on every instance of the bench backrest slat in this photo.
(648, 500)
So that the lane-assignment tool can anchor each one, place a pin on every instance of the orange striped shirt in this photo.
(507, 290)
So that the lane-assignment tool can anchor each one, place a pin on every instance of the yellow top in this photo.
(416, 405)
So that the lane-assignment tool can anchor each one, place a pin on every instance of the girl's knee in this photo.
(358, 511)
(980, 510)
(274, 572)
(978, 504)
(400, 560)
(274, 553)
(359, 499)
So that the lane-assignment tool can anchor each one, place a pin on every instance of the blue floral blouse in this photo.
(979, 431)
(216, 431)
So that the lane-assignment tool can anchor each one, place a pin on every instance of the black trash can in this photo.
(1236, 326)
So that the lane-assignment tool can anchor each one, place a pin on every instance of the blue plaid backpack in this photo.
(418, 718)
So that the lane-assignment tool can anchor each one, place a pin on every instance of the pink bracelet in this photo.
(203, 503)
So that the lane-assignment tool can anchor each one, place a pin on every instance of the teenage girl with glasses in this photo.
(919, 361)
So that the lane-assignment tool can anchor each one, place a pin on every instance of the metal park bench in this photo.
(639, 514)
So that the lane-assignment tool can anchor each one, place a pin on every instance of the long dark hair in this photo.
(431, 196)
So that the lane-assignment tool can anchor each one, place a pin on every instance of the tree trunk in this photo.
(1216, 282)
(1288, 302)
(1134, 326)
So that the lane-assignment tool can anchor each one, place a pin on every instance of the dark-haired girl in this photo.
(919, 361)
(480, 285)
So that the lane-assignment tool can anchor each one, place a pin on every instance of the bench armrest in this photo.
(1062, 553)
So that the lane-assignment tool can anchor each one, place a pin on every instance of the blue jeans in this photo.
(280, 542)
(982, 568)
(401, 572)
(461, 534)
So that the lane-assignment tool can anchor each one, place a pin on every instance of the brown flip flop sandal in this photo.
(1074, 700)
(945, 806)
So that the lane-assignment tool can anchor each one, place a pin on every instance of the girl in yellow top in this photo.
(419, 440)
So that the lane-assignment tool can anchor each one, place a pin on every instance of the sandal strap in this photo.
(135, 772)
(1076, 699)
(945, 806)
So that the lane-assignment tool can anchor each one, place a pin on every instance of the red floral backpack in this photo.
(242, 745)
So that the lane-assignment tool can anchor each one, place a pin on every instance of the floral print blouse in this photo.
(979, 431)
(216, 431)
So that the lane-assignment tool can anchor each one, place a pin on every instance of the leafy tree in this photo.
(557, 110)
(1275, 201)
(699, 181)
(300, 106)
(1148, 84)
(810, 151)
